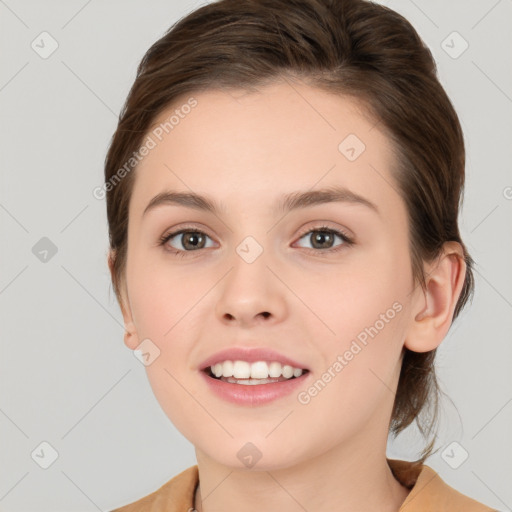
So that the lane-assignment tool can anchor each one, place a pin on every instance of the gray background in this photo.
(67, 377)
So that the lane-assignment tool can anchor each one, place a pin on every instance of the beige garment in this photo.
(428, 492)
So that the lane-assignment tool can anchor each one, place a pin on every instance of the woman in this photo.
(282, 197)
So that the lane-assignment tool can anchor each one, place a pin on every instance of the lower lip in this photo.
(257, 394)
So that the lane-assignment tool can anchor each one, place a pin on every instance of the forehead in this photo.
(241, 146)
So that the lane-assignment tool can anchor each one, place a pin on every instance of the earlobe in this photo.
(131, 340)
(435, 304)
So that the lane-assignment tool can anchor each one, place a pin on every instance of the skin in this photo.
(245, 150)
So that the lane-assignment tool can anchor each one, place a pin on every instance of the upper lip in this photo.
(250, 355)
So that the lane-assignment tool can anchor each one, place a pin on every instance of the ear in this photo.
(131, 338)
(434, 306)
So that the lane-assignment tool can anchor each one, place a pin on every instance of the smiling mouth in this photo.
(251, 381)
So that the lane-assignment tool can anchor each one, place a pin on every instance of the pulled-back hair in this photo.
(353, 48)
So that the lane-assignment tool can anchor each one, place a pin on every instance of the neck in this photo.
(344, 479)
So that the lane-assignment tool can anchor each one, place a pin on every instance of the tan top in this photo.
(428, 492)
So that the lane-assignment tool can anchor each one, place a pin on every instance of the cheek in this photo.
(361, 363)
(352, 295)
(160, 295)
(175, 391)
(364, 306)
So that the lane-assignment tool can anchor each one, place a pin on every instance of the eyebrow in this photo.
(288, 202)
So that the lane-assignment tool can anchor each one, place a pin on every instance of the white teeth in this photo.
(256, 370)
(259, 370)
(275, 369)
(225, 369)
(249, 382)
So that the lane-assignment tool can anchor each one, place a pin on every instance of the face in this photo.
(325, 283)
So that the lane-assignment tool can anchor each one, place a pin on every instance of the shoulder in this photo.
(428, 491)
(176, 494)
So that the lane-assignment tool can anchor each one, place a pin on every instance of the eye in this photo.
(188, 240)
(191, 239)
(323, 237)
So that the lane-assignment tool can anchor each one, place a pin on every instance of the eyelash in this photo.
(346, 239)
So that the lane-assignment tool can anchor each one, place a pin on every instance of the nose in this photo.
(251, 294)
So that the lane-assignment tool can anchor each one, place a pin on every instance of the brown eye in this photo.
(324, 238)
(186, 240)
(192, 240)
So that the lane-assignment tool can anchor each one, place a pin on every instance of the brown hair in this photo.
(350, 47)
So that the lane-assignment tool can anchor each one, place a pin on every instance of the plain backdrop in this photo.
(66, 378)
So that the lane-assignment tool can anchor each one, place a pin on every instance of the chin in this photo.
(257, 455)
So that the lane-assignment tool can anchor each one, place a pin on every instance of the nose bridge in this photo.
(250, 249)
(250, 289)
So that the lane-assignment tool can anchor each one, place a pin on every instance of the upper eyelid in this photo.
(322, 225)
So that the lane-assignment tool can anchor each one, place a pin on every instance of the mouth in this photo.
(252, 381)
(253, 385)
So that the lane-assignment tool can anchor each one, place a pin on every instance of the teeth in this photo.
(249, 382)
(256, 370)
